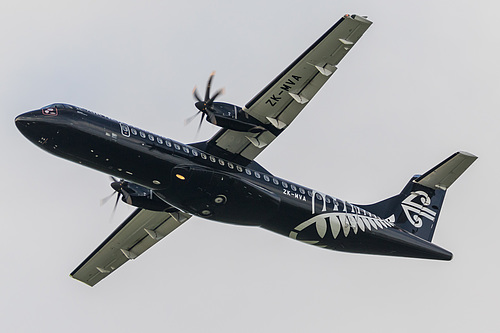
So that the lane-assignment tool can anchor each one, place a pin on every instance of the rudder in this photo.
(416, 209)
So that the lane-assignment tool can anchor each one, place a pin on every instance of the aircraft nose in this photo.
(25, 120)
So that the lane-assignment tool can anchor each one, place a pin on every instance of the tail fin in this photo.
(416, 209)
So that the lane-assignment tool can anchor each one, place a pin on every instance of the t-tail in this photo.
(416, 209)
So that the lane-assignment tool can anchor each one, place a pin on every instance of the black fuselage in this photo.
(205, 185)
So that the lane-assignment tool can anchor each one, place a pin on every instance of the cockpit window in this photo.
(57, 105)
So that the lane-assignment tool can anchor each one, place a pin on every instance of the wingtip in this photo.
(465, 153)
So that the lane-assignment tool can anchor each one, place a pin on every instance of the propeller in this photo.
(205, 106)
(119, 187)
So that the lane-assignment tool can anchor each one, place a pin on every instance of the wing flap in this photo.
(141, 230)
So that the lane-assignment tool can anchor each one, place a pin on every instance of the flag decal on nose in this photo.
(52, 111)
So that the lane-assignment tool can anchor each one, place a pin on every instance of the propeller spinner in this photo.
(119, 186)
(205, 106)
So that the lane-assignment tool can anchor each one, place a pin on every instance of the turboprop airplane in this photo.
(220, 180)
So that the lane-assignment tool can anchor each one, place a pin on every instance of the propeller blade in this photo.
(199, 125)
(211, 100)
(205, 106)
(127, 197)
(209, 83)
(211, 117)
(116, 205)
(190, 119)
(196, 96)
(106, 199)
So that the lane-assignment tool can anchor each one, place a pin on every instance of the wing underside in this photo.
(284, 98)
(141, 230)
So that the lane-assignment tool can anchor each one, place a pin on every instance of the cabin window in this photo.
(275, 181)
(221, 162)
(194, 152)
(212, 159)
(142, 134)
(257, 175)
(134, 131)
(266, 178)
(302, 191)
(248, 172)
(293, 187)
(309, 193)
(168, 143)
(319, 197)
(285, 185)
(240, 169)
(176, 146)
(160, 140)
(186, 149)
(151, 137)
(328, 200)
(230, 165)
(203, 156)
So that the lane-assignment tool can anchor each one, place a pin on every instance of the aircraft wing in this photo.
(282, 100)
(139, 232)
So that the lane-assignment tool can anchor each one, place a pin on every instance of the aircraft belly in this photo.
(351, 232)
(220, 196)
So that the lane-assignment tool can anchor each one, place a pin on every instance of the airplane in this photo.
(220, 180)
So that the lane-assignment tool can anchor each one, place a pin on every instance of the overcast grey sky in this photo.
(422, 83)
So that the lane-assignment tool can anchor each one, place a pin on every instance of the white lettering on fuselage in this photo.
(297, 196)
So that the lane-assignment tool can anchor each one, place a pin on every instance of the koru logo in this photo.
(415, 207)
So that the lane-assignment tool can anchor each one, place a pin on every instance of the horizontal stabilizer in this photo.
(445, 173)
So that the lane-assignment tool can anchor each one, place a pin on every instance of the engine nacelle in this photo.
(142, 197)
(235, 118)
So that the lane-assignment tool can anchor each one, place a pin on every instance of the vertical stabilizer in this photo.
(416, 209)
